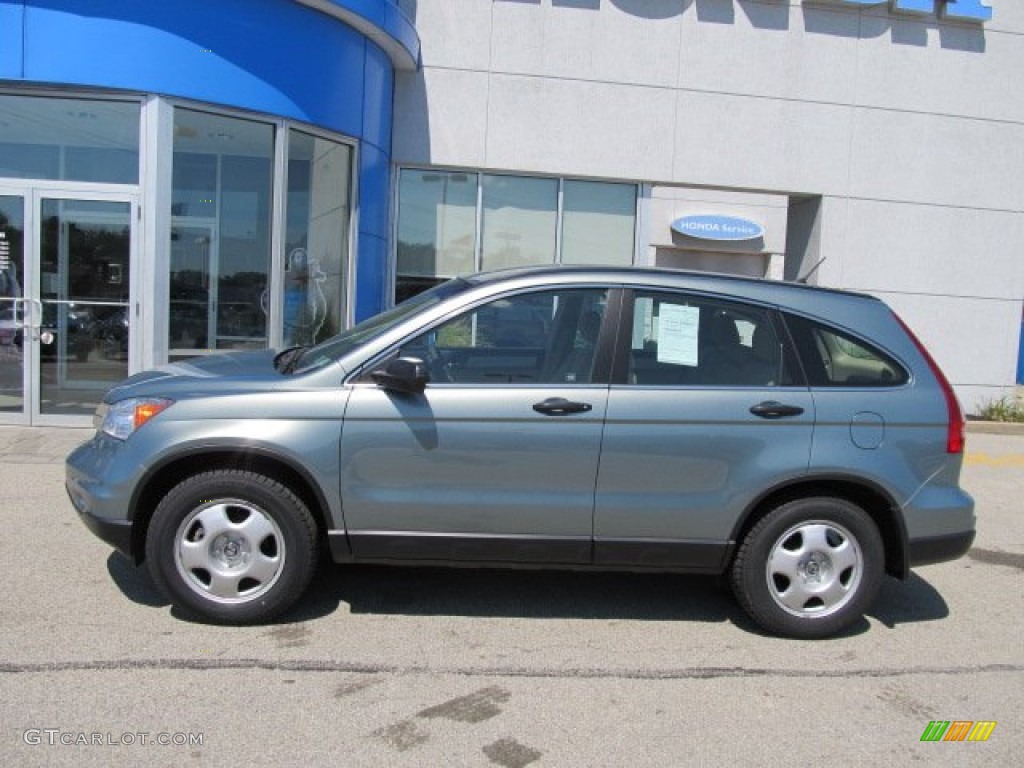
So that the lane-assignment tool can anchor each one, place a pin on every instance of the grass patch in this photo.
(1003, 409)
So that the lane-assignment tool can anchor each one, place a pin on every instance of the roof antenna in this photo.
(811, 271)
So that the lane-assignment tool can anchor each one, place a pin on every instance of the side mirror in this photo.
(404, 374)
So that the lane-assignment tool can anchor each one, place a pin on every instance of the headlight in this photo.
(122, 418)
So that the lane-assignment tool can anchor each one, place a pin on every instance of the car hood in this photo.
(229, 372)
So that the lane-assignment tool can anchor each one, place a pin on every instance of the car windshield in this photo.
(338, 346)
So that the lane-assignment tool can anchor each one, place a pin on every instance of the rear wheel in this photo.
(810, 568)
(232, 546)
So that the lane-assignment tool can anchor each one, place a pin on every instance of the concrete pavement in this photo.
(403, 667)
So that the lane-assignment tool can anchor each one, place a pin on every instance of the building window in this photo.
(454, 223)
(69, 139)
(221, 215)
(436, 229)
(520, 221)
(224, 234)
(316, 238)
(598, 222)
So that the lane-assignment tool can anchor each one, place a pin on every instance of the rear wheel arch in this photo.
(874, 501)
(163, 478)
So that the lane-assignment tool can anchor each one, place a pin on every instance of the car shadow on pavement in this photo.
(134, 581)
(537, 594)
(490, 593)
(908, 602)
(426, 591)
(526, 594)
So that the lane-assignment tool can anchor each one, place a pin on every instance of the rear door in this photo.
(705, 413)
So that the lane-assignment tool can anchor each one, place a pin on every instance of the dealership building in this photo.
(190, 176)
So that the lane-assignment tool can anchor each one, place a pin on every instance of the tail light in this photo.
(955, 426)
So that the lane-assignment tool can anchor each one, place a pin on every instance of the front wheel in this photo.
(810, 568)
(232, 546)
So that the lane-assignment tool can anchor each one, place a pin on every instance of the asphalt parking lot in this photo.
(403, 667)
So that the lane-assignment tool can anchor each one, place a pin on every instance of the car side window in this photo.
(680, 340)
(534, 338)
(832, 358)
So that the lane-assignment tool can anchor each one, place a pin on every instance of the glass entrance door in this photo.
(84, 278)
(65, 303)
(12, 307)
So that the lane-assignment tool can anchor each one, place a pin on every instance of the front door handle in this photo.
(770, 409)
(559, 406)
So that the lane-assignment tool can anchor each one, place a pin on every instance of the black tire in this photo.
(809, 568)
(232, 547)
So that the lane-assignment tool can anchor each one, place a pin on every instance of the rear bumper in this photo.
(940, 525)
(939, 549)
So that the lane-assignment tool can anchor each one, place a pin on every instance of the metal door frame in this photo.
(24, 193)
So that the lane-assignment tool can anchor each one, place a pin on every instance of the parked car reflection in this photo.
(110, 334)
(73, 332)
(57, 320)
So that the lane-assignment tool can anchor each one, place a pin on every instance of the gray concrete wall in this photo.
(910, 129)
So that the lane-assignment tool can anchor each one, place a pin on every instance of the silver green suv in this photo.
(799, 440)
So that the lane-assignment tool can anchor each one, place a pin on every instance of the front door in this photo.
(66, 310)
(497, 459)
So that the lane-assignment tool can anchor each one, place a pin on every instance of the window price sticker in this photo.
(678, 330)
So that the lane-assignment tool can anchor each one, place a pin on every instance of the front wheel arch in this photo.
(232, 546)
(167, 475)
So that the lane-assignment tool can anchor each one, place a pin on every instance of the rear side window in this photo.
(680, 340)
(832, 358)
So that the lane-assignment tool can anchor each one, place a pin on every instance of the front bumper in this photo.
(101, 503)
(116, 533)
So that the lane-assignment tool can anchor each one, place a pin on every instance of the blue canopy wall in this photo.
(330, 63)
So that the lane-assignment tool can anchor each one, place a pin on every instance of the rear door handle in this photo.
(559, 406)
(770, 409)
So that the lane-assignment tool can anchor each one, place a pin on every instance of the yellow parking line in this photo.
(1012, 460)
